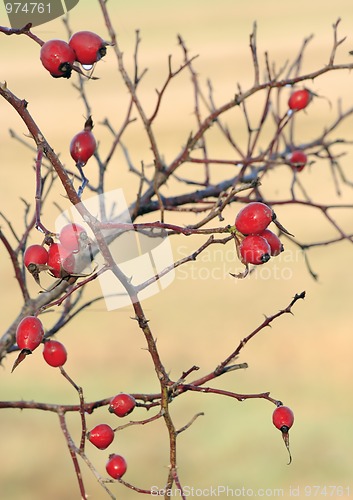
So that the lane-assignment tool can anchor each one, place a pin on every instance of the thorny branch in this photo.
(250, 165)
(170, 391)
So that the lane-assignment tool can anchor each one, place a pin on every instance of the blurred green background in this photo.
(304, 360)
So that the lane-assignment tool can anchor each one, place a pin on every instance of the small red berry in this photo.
(283, 418)
(57, 57)
(254, 218)
(29, 333)
(54, 353)
(122, 404)
(101, 436)
(299, 99)
(72, 236)
(298, 160)
(116, 466)
(35, 254)
(274, 242)
(60, 260)
(88, 47)
(83, 144)
(254, 249)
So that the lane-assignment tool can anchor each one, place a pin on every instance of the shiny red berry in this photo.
(299, 99)
(88, 47)
(254, 249)
(54, 353)
(283, 418)
(116, 466)
(83, 145)
(60, 260)
(254, 218)
(57, 57)
(298, 160)
(101, 436)
(29, 333)
(35, 254)
(274, 242)
(122, 405)
(72, 237)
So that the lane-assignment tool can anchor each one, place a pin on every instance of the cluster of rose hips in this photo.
(58, 57)
(102, 435)
(297, 101)
(60, 258)
(84, 47)
(256, 244)
(29, 335)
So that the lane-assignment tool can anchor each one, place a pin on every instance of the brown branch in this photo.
(38, 195)
(171, 74)
(253, 49)
(26, 30)
(186, 426)
(253, 167)
(72, 289)
(336, 42)
(131, 87)
(223, 367)
(221, 392)
(72, 450)
(140, 422)
(264, 324)
(16, 266)
(82, 407)
(20, 105)
(192, 257)
(99, 478)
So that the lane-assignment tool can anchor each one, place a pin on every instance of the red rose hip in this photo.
(116, 466)
(72, 236)
(101, 436)
(283, 418)
(122, 405)
(83, 144)
(57, 57)
(274, 242)
(254, 218)
(299, 99)
(54, 353)
(88, 47)
(35, 254)
(29, 333)
(60, 261)
(254, 249)
(298, 160)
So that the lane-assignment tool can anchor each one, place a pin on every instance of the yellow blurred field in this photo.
(303, 360)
